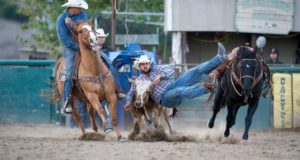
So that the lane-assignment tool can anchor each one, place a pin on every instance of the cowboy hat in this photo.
(100, 33)
(142, 59)
(76, 3)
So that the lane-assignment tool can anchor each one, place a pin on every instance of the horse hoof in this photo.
(122, 139)
(108, 130)
(210, 124)
(224, 140)
(243, 141)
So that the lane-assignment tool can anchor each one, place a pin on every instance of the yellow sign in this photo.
(282, 100)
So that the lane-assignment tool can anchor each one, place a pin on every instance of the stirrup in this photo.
(67, 108)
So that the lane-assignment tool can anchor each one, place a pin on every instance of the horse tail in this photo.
(58, 63)
(56, 95)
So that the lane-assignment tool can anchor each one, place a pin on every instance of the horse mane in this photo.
(245, 53)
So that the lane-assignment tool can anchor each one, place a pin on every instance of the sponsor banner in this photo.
(282, 93)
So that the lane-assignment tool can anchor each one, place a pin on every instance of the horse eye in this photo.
(80, 31)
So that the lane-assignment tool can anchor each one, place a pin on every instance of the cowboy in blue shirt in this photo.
(170, 92)
(64, 25)
(104, 52)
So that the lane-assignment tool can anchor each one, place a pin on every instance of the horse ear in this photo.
(238, 54)
(90, 21)
(75, 26)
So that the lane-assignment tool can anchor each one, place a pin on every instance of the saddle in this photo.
(63, 72)
(75, 78)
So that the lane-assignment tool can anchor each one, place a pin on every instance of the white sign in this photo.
(264, 16)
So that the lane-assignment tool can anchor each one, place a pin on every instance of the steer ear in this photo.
(90, 21)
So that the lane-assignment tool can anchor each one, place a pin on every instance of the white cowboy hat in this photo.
(142, 59)
(100, 33)
(76, 3)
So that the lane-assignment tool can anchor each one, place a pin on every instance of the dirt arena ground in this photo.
(20, 142)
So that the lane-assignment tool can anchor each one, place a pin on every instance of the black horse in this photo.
(241, 84)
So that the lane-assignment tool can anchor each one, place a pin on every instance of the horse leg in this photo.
(229, 120)
(248, 120)
(92, 117)
(113, 113)
(94, 101)
(167, 120)
(211, 122)
(216, 106)
(235, 111)
(78, 119)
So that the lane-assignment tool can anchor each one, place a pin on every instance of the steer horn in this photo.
(130, 80)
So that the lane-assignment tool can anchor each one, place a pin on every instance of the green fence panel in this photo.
(23, 92)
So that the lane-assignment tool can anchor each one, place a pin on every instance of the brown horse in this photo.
(145, 110)
(93, 80)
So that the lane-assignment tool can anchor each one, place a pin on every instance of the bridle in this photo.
(101, 77)
(238, 79)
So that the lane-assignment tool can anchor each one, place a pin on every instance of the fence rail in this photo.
(16, 62)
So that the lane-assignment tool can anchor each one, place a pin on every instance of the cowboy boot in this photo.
(67, 108)
(221, 51)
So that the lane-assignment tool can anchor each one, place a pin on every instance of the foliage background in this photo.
(41, 15)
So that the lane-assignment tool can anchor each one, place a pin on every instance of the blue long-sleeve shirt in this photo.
(63, 32)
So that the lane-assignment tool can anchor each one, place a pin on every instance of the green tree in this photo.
(8, 10)
(42, 16)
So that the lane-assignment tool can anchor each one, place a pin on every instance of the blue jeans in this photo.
(69, 58)
(187, 85)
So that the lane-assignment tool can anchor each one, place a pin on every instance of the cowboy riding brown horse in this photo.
(93, 80)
